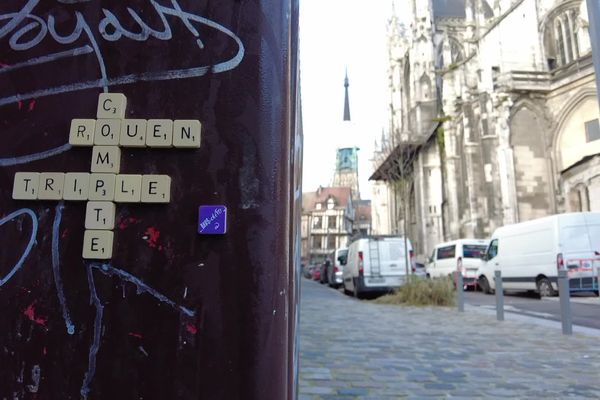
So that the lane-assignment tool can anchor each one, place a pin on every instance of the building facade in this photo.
(327, 222)
(493, 105)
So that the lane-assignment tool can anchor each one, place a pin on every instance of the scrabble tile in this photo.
(212, 220)
(112, 105)
(100, 215)
(82, 132)
(106, 159)
(108, 132)
(128, 188)
(102, 187)
(51, 186)
(26, 186)
(133, 133)
(186, 133)
(156, 189)
(159, 133)
(77, 186)
(98, 245)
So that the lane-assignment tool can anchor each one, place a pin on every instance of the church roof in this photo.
(341, 195)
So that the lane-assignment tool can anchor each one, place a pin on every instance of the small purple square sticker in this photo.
(212, 220)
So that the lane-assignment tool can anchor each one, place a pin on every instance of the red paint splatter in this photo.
(126, 222)
(44, 350)
(191, 329)
(65, 234)
(136, 335)
(30, 313)
(151, 236)
(31, 105)
(20, 104)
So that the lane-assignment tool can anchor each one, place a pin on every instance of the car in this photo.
(316, 273)
(377, 264)
(325, 265)
(462, 255)
(419, 270)
(530, 254)
(334, 269)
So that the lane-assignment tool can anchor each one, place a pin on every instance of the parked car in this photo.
(529, 254)
(334, 269)
(462, 255)
(307, 271)
(420, 270)
(376, 264)
(316, 273)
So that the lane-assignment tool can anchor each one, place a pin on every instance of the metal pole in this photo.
(460, 294)
(499, 296)
(594, 15)
(565, 302)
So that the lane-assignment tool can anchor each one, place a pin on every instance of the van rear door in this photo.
(580, 242)
(392, 260)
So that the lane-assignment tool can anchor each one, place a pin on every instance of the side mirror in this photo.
(342, 260)
(484, 257)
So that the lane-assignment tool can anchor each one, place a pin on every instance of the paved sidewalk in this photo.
(352, 349)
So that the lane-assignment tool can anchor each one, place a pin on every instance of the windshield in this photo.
(473, 250)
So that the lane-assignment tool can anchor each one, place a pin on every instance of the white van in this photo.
(463, 254)
(530, 253)
(376, 264)
(334, 269)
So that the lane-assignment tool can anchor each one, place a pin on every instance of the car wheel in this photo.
(545, 288)
(485, 285)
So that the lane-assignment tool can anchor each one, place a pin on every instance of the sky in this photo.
(336, 35)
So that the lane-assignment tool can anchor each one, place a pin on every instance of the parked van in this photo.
(376, 264)
(462, 255)
(334, 272)
(529, 254)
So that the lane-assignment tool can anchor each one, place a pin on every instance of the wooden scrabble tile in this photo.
(98, 245)
(128, 188)
(186, 133)
(102, 187)
(82, 132)
(77, 186)
(106, 159)
(159, 133)
(51, 186)
(133, 133)
(26, 185)
(156, 189)
(100, 215)
(108, 132)
(111, 105)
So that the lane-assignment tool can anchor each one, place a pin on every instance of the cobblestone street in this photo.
(354, 349)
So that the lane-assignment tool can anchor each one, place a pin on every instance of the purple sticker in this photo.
(212, 220)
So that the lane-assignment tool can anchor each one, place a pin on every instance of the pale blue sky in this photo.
(335, 34)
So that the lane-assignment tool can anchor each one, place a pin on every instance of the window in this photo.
(592, 130)
(331, 242)
(316, 242)
(492, 250)
(446, 252)
(330, 204)
(560, 39)
(332, 222)
(318, 206)
(317, 223)
(473, 251)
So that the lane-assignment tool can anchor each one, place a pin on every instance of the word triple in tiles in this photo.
(104, 186)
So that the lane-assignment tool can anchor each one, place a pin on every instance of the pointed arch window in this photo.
(561, 38)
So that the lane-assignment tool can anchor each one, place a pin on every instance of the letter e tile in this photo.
(159, 133)
(156, 189)
(97, 245)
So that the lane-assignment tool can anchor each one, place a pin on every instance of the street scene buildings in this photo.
(493, 119)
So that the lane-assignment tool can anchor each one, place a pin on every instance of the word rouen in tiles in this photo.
(105, 185)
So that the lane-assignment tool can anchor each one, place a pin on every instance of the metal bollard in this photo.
(565, 302)
(499, 296)
(460, 294)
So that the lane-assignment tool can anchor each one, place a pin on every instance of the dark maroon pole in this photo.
(173, 314)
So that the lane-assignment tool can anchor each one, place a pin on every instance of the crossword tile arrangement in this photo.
(105, 186)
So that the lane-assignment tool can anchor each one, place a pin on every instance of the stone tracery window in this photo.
(561, 38)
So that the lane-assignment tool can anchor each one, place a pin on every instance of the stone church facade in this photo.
(494, 118)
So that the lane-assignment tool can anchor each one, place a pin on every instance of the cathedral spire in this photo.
(346, 100)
